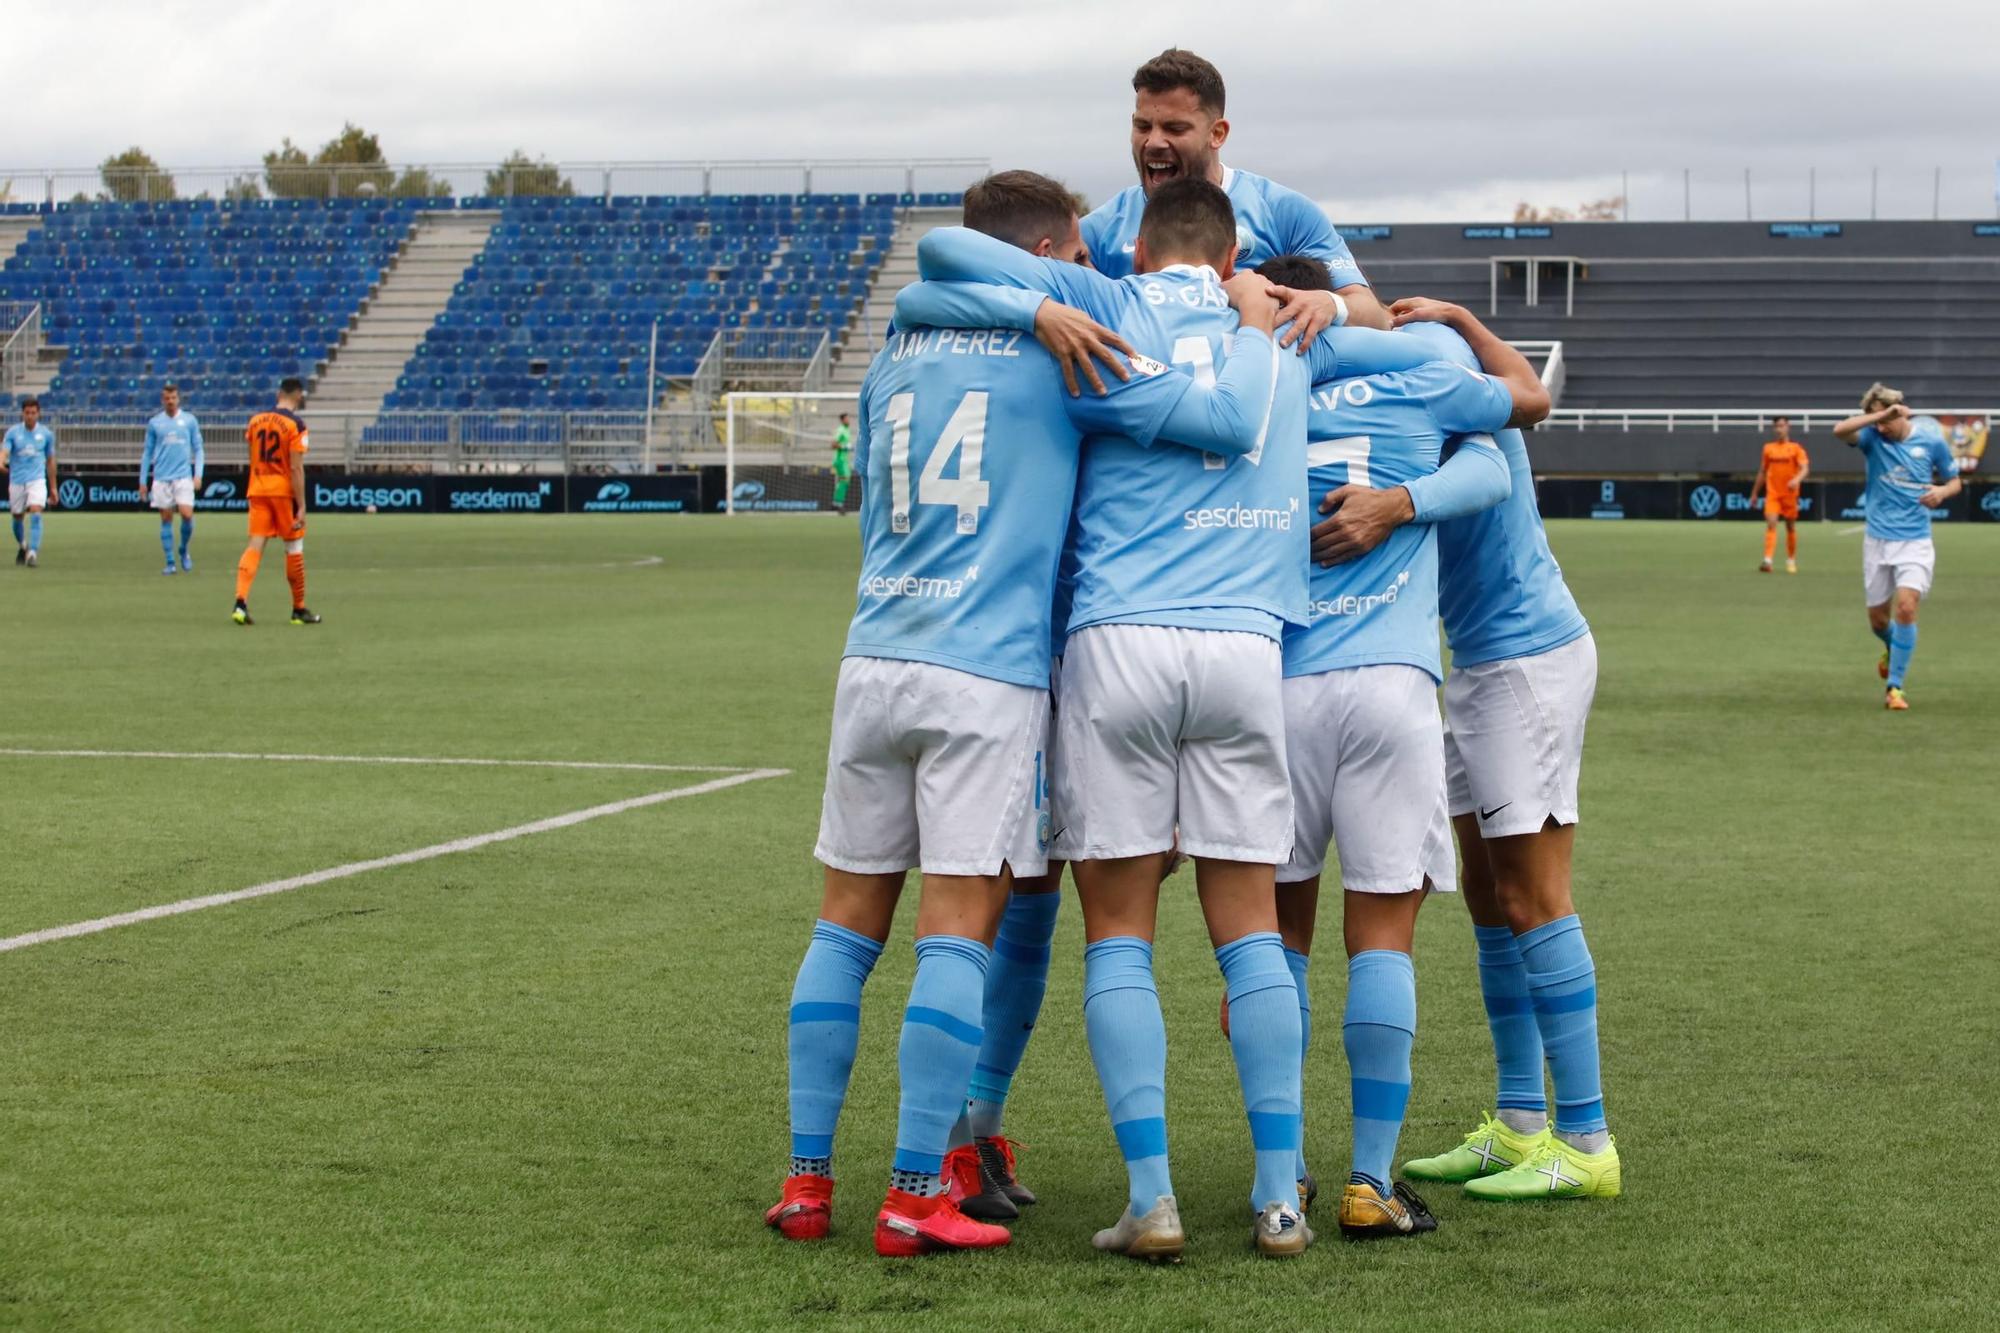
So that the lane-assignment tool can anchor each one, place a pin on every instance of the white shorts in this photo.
(28, 495)
(1513, 741)
(171, 494)
(935, 768)
(1162, 726)
(1366, 751)
(1889, 565)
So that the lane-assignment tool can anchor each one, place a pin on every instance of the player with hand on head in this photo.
(1363, 738)
(1780, 475)
(1186, 568)
(277, 440)
(28, 454)
(937, 757)
(1178, 130)
(1910, 473)
(172, 459)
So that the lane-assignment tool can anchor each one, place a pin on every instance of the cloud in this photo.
(1422, 109)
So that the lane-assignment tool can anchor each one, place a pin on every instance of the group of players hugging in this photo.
(1161, 512)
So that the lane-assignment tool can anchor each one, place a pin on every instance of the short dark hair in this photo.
(31, 401)
(1189, 216)
(291, 384)
(1781, 417)
(170, 385)
(1300, 272)
(1020, 207)
(1174, 68)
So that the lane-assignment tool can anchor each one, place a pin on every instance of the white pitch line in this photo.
(1849, 532)
(384, 862)
(646, 562)
(441, 761)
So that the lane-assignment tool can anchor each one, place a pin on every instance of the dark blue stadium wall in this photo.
(1734, 315)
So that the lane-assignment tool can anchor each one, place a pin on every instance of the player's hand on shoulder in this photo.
(1310, 313)
(1255, 300)
(1077, 342)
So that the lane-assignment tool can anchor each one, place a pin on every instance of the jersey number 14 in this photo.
(964, 435)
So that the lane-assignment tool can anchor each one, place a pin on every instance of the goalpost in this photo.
(779, 452)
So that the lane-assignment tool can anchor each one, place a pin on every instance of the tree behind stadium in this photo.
(349, 165)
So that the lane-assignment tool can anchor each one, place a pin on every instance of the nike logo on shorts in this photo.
(1488, 814)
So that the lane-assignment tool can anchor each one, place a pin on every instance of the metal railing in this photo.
(1803, 419)
(1554, 373)
(486, 180)
(1906, 191)
(21, 322)
(819, 367)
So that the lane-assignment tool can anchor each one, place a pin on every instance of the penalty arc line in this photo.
(440, 761)
(353, 868)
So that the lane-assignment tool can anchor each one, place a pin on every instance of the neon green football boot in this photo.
(1487, 1150)
(1554, 1171)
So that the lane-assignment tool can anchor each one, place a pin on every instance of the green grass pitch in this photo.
(542, 1084)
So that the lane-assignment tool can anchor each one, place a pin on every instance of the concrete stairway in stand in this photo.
(384, 334)
(856, 344)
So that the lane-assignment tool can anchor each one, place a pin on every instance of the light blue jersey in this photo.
(28, 453)
(1899, 473)
(1382, 431)
(1500, 590)
(960, 543)
(173, 449)
(1169, 537)
(1270, 221)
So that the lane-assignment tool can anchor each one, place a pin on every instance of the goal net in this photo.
(781, 454)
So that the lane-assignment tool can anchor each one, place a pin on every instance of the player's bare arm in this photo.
(1757, 486)
(1847, 431)
(1496, 358)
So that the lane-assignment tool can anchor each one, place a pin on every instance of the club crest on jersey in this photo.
(1245, 242)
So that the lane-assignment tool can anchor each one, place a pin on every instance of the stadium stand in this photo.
(535, 312)
(414, 289)
(1727, 314)
(557, 313)
(553, 310)
(224, 297)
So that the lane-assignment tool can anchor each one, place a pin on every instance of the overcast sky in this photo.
(1386, 112)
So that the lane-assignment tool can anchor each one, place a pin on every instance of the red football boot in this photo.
(909, 1225)
(806, 1210)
